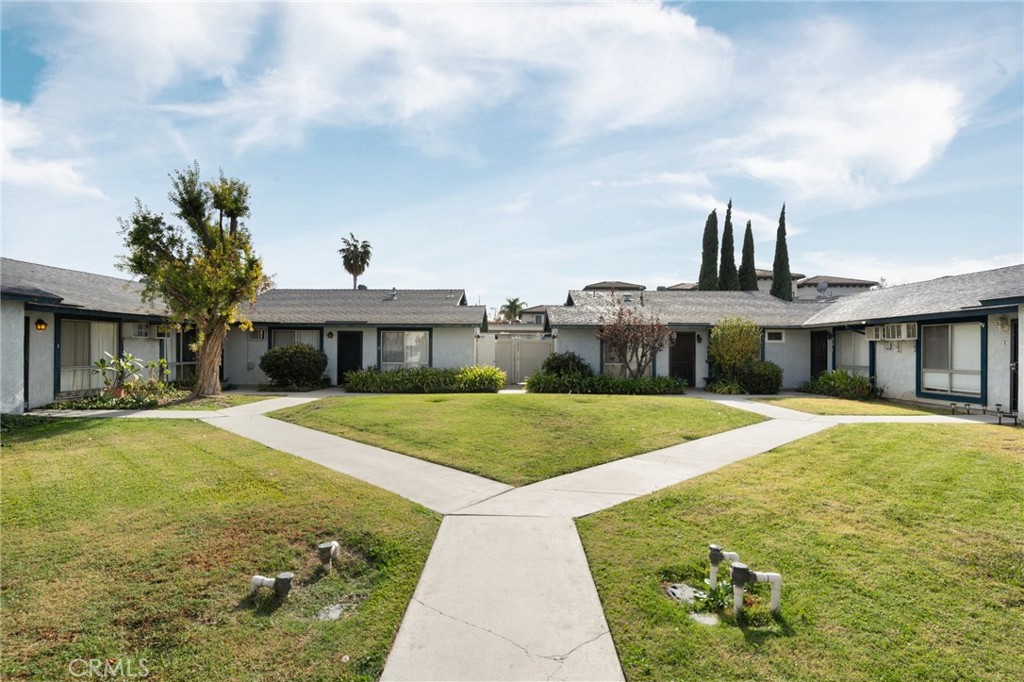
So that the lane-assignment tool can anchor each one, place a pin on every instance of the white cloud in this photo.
(897, 270)
(20, 165)
(579, 68)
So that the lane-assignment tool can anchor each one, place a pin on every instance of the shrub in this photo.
(726, 387)
(427, 380)
(760, 377)
(542, 382)
(735, 342)
(294, 366)
(840, 383)
(562, 364)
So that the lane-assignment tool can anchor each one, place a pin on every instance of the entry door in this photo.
(1014, 368)
(819, 353)
(350, 353)
(682, 358)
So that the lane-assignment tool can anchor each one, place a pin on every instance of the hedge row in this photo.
(543, 382)
(427, 380)
(839, 383)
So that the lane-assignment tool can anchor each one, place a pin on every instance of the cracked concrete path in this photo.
(505, 598)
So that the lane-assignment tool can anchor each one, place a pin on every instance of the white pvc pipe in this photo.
(713, 580)
(257, 582)
(731, 556)
(775, 580)
(737, 599)
(327, 556)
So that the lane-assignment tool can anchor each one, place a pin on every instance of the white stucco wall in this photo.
(999, 360)
(146, 350)
(242, 359)
(12, 356)
(454, 346)
(896, 369)
(793, 355)
(580, 341)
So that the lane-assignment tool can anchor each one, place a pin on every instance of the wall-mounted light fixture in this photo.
(672, 337)
(330, 335)
(699, 339)
(41, 324)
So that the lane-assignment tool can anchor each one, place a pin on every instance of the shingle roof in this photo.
(768, 274)
(535, 309)
(367, 306)
(74, 289)
(682, 286)
(615, 285)
(835, 281)
(685, 307)
(954, 293)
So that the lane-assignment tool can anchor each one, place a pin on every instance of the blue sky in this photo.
(525, 149)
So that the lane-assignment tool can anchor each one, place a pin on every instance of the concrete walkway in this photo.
(506, 593)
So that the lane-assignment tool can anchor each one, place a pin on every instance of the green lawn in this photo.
(136, 539)
(518, 439)
(839, 406)
(901, 548)
(218, 402)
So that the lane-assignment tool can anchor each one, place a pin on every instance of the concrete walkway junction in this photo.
(506, 593)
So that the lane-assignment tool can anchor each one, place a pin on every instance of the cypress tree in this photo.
(728, 278)
(709, 258)
(748, 275)
(782, 280)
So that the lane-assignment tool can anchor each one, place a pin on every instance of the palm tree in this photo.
(355, 256)
(513, 308)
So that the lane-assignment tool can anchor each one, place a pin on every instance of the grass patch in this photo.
(841, 406)
(901, 548)
(137, 538)
(518, 439)
(217, 402)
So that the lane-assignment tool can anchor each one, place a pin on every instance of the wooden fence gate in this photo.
(520, 358)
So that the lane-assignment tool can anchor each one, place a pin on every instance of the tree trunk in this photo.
(354, 278)
(208, 362)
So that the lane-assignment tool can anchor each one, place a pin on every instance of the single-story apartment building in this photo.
(55, 323)
(951, 339)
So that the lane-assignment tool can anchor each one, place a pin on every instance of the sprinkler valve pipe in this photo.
(281, 585)
(743, 576)
(717, 555)
(328, 551)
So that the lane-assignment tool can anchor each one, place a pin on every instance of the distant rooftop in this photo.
(835, 281)
(614, 285)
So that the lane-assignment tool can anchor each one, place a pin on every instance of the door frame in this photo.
(341, 335)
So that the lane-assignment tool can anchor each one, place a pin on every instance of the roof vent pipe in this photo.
(327, 551)
(717, 556)
(281, 585)
(743, 576)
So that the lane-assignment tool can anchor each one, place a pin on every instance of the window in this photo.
(404, 349)
(852, 352)
(951, 358)
(775, 336)
(81, 344)
(289, 337)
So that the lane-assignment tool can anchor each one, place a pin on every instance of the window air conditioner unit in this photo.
(160, 332)
(900, 332)
(138, 330)
(873, 333)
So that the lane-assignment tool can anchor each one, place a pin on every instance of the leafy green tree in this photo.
(355, 256)
(728, 278)
(201, 271)
(634, 338)
(512, 309)
(782, 279)
(735, 342)
(748, 273)
(709, 258)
